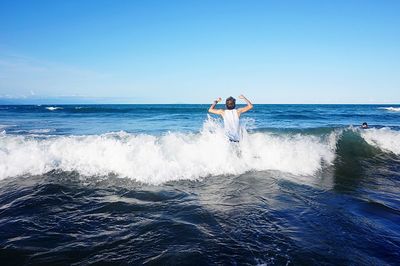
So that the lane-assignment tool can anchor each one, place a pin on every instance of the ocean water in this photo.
(161, 185)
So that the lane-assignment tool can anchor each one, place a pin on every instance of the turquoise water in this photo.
(160, 184)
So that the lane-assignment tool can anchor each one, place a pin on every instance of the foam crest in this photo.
(41, 131)
(52, 108)
(174, 156)
(391, 109)
(383, 138)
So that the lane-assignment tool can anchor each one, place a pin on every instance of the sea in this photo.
(162, 185)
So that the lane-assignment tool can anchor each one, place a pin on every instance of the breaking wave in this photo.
(158, 159)
(383, 138)
(175, 156)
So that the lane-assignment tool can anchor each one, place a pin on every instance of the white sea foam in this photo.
(174, 156)
(391, 109)
(52, 108)
(383, 138)
(41, 131)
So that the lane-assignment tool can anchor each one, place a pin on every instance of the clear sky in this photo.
(322, 51)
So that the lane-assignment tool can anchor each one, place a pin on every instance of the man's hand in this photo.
(212, 107)
(247, 108)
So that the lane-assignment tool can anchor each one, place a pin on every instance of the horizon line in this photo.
(87, 103)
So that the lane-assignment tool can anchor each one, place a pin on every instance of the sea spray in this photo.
(383, 138)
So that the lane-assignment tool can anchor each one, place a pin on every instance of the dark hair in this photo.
(230, 103)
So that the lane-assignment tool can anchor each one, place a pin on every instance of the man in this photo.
(231, 116)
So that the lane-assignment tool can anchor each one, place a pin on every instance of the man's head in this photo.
(364, 125)
(230, 103)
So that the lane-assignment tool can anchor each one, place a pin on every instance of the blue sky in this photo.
(194, 51)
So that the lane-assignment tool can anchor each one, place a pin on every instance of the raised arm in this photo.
(215, 111)
(246, 108)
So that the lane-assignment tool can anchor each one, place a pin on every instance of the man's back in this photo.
(232, 124)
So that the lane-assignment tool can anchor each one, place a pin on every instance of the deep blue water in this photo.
(160, 185)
